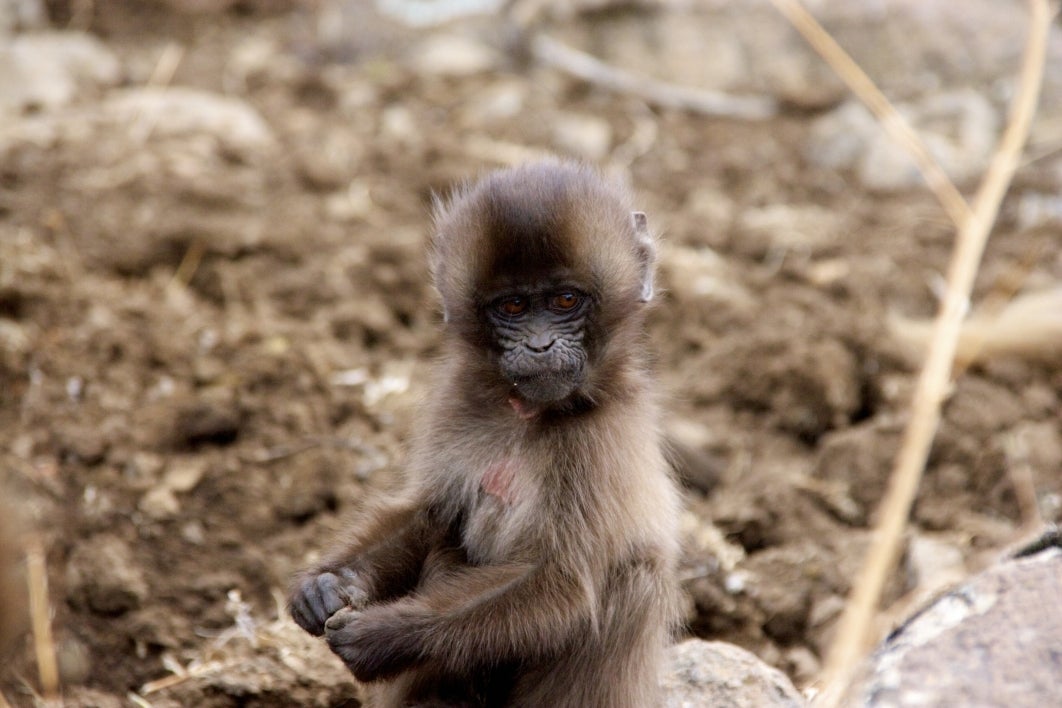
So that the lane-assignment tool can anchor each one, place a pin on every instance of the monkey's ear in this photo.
(646, 253)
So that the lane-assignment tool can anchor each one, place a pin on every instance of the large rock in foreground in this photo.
(995, 641)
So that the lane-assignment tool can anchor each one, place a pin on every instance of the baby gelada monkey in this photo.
(531, 559)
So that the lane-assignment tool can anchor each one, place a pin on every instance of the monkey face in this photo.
(543, 270)
(539, 336)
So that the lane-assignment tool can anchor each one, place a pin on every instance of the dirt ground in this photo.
(211, 348)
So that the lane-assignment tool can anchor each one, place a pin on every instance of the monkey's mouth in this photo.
(541, 390)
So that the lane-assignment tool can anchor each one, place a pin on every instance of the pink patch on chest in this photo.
(498, 481)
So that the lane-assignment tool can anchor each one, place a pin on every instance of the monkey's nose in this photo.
(539, 342)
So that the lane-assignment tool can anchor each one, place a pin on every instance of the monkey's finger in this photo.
(303, 617)
(340, 620)
(317, 599)
(330, 596)
(352, 591)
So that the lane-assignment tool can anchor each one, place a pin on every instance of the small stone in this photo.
(810, 388)
(934, 563)
(75, 662)
(499, 102)
(207, 422)
(184, 475)
(802, 664)
(581, 135)
(702, 274)
(804, 228)
(194, 533)
(453, 55)
(21, 15)
(178, 112)
(786, 599)
(47, 69)
(712, 674)
(145, 466)
(83, 445)
(103, 575)
(160, 503)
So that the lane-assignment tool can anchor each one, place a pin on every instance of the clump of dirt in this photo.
(215, 323)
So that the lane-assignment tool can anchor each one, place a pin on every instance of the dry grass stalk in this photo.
(853, 633)
(189, 264)
(891, 121)
(142, 127)
(40, 618)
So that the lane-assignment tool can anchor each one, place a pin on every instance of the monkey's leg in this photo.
(382, 560)
(619, 665)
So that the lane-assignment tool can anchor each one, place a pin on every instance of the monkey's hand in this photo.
(318, 597)
(376, 643)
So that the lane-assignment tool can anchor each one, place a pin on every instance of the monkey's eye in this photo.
(513, 306)
(564, 301)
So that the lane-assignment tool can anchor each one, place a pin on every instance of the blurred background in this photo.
(216, 320)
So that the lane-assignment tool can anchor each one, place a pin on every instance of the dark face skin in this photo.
(538, 333)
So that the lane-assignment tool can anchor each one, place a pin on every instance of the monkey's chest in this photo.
(497, 516)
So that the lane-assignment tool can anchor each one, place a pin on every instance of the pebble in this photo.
(709, 674)
(178, 112)
(103, 575)
(582, 135)
(159, 503)
(46, 70)
(20, 15)
(453, 56)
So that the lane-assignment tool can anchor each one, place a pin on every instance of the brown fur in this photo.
(532, 561)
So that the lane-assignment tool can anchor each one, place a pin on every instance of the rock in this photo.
(701, 274)
(82, 444)
(160, 503)
(802, 228)
(206, 422)
(859, 458)
(428, 13)
(184, 474)
(959, 129)
(452, 55)
(840, 138)
(934, 563)
(721, 675)
(796, 576)
(45, 70)
(581, 135)
(808, 387)
(178, 112)
(20, 15)
(103, 576)
(74, 660)
(991, 642)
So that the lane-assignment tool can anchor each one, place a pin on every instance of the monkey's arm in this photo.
(380, 562)
(473, 615)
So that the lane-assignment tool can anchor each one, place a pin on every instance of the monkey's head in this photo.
(544, 270)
